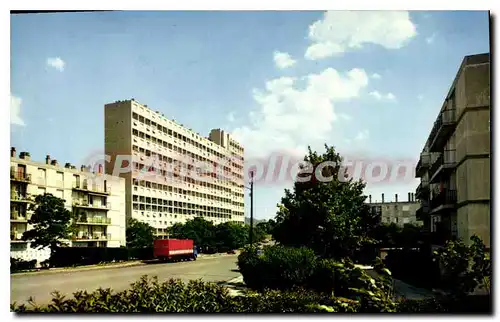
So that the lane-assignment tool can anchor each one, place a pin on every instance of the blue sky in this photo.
(277, 80)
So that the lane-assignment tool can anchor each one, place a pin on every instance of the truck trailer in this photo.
(175, 249)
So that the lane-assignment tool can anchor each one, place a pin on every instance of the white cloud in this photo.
(341, 31)
(363, 135)
(376, 76)
(431, 38)
(57, 63)
(283, 60)
(345, 116)
(230, 117)
(378, 96)
(15, 111)
(291, 116)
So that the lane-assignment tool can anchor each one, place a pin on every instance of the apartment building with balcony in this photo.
(97, 202)
(397, 211)
(454, 166)
(164, 179)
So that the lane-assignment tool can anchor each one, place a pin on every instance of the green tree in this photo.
(329, 217)
(139, 234)
(201, 231)
(231, 236)
(52, 223)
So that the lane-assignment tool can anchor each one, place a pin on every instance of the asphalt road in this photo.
(41, 285)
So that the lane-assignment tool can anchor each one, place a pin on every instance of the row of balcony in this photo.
(442, 129)
(92, 188)
(93, 220)
(91, 236)
(17, 237)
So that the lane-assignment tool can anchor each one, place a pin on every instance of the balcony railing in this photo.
(445, 160)
(447, 197)
(16, 217)
(96, 189)
(19, 176)
(17, 197)
(94, 236)
(422, 188)
(441, 129)
(87, 205)
(90, 221)
(423, 163)
(422, 212)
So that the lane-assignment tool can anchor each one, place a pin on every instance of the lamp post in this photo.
(251, 207)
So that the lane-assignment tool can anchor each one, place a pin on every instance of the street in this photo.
(39, 286)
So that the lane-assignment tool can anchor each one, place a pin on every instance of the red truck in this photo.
(175, 249)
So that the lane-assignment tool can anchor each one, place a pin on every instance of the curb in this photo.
(95, 267)
(79, 269)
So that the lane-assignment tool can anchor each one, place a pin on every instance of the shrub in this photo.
(297, 300)
(17, 264)
(278, 268)
(146, 295)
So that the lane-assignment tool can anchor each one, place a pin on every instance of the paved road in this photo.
(40, 286)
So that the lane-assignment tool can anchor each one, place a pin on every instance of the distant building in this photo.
(97, 201)
(162, 183)
(397, 212)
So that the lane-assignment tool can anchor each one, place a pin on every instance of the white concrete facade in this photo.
(97, 201)
(157, 145)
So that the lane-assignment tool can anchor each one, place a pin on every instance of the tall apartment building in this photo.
(399, 212)
(454, 165)
(163, 157)
(96, 200)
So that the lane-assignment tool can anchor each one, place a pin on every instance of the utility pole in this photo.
(251, 208)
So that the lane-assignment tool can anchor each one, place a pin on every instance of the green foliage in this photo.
(329, 217)
(465, 267)
(297, 300)
(201, 231)
(283, 268)
(51, 221)
(17, 265)
(392, 235)
(146, 296)
(277, 268)
(230, 236)
(139, 234)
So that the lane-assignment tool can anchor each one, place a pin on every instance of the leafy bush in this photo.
(465, 267)
(297, 300)
(278, 268)
(71, 256)
(146, 295)
(17, 264)
(283, 268)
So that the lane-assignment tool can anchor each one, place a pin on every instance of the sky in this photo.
(368, 83)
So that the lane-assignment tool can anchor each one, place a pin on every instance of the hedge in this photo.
(78, 256)
(149, 296)
(17, 264)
